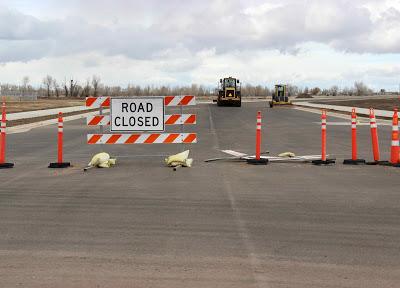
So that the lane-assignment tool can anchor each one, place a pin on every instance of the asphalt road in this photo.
(219, 224)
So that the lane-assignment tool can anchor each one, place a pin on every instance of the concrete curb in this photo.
(41, 113)
(364, 120)
(360, 111)
(30, 126)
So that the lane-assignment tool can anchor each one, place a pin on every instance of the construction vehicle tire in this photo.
(271, 104)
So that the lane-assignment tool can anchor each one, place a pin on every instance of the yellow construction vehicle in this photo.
(229, 92)
(280, 97)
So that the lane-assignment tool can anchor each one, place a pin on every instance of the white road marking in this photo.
(234, 153)
(345, 123)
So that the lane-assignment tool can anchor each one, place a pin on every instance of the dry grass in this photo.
(22, 106)
(379, 104)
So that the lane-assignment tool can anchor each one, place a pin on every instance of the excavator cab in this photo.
(229, 92)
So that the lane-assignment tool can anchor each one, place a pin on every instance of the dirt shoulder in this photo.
(42, 104)
(379, 104)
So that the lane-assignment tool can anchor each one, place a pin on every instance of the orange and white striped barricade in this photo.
(104, 101)
(143, 138)
(3, 145)
(148, 134)
(323, 160)
(60, 163)
(174, 119)
(354, 159)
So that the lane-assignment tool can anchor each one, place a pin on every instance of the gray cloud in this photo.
(17, 26)
(143, 30)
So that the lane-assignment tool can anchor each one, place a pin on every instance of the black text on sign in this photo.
(137, 114)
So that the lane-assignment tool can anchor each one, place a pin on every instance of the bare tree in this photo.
(348, 91)
(73, 91)
(95, 84)
(361, 89)
(334, 90)
(66, 90)
(292, 90)
(48, 81)
(92, 86)
(56, 88)
(25, 82)
(315, 91)
(86, 90)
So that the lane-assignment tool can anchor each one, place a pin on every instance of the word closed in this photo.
(137, 114)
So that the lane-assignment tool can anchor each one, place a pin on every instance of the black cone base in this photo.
(354, 162)
(257, 161)
(387, 163)
(384, 163)
(324, 162)
(60, 165)
(6, 165)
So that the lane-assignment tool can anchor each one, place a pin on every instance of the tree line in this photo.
(51, 88)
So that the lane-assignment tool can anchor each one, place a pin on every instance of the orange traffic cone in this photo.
(3, 146)
(323, 160)
(374, 136)
(258, 160)
(395, 157)
(375, 140)
(60, 163)
(354, 160)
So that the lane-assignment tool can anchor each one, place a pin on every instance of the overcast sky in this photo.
(302, 42)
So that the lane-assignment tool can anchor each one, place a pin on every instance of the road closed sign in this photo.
(137, 114)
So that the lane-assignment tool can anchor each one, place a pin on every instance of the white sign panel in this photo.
(137, 114)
